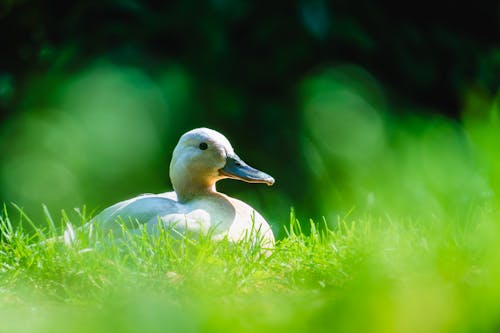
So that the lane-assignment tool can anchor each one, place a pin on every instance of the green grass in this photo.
(349, 275)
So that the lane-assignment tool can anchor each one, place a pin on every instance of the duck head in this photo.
(204, 156)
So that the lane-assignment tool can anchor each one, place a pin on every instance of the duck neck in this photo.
(189, 190)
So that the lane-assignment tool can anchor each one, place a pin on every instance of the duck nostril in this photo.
(237, 164)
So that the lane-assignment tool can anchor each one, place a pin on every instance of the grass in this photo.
(349, 275)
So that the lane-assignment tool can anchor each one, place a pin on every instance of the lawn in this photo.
(354, 274)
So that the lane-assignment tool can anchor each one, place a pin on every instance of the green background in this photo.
(348, 104)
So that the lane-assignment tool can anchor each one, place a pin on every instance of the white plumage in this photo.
(201, 158)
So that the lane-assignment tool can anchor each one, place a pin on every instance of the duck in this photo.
(201, 158)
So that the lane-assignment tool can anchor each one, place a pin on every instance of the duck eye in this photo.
(203, 146)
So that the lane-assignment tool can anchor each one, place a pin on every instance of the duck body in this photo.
(200, 159)
(221, 215)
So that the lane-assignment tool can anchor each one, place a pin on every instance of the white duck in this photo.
(201, 158)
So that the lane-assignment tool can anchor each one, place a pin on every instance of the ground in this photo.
(349, 275)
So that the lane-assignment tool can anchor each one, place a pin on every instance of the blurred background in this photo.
(354, 107)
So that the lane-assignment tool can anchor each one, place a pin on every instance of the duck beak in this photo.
(237, 169)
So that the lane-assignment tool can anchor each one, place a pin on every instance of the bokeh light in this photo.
(366, 159)
(98, 132)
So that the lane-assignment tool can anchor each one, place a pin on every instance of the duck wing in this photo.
(144, 209)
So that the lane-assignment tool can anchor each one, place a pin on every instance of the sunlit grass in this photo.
(346, 275)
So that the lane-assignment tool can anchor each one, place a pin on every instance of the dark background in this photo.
(245, 63)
